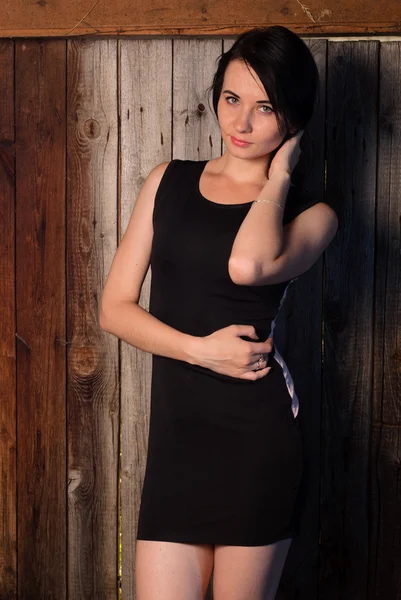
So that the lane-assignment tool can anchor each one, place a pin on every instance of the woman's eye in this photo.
(228, 98)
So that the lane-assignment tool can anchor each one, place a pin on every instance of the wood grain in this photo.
(8, 373)
(41, 317)
(385, 489)
(93, 379)
(47, 18)
(196, 132)
(351, 151)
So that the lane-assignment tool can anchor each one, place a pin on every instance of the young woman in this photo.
(225, 238)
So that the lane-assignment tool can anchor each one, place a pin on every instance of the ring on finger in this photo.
(259, 363)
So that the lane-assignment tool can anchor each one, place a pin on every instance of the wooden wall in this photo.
(82, 122)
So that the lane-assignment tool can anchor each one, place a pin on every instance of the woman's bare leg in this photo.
(172, 571)
(245, 572)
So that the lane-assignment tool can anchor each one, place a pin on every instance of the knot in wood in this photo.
(92, 129)
(84, 362)
(201, 109)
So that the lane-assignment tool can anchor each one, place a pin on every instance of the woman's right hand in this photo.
(223, 351)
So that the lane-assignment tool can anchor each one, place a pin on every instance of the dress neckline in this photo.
(203, 164)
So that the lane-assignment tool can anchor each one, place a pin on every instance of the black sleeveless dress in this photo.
(225, 456)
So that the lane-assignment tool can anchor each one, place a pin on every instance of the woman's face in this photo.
(249, 116)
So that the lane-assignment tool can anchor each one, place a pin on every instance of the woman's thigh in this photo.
(244, 572)
(171, 570)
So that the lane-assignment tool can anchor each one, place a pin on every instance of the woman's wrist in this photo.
(275, 190)
(283, 176)
(194, 349)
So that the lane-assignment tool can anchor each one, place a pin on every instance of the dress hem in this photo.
(190, 540)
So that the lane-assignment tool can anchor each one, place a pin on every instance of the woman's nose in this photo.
(243, 123)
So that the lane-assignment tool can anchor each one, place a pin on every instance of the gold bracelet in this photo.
(261, 200)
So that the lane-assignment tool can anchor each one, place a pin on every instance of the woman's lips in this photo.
(238, 142)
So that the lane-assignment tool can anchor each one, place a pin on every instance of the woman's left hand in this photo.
(287, 156)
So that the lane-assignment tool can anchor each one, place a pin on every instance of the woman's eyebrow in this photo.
(236, 95)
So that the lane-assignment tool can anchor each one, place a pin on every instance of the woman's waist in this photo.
(191, 371)
(201, 322)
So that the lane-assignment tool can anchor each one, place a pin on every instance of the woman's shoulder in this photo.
(160, 172)
(176, 163)
(167, 175)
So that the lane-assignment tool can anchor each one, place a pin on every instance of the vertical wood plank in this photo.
(93, 396)
(145, 101)
(385, 539)
(196, 132)
(40, 304)
(348, 330)
(8, 407)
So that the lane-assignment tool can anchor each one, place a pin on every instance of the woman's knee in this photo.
(243, 572)
(172, 570)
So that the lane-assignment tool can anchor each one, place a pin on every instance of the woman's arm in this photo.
(120, 313)
(260, 236)
(265, 252)
(133, 324)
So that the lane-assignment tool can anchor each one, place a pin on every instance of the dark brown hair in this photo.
(286, 68)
